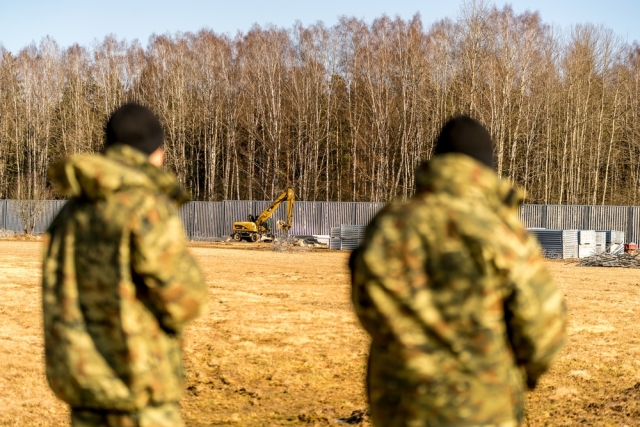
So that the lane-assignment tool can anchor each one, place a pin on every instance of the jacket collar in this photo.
(166, 182)
(462, 176)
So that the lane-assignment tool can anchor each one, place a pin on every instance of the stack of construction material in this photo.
(586, 243)
(334, 239)
(321, 239)
(351, 236)
(612, 260)
(346, 237)
(557, 244)
(616, 248)
(601, 242)
(615, 241)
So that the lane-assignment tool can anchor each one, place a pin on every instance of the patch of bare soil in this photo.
(596, 381)
(25, 397)
(279, 344)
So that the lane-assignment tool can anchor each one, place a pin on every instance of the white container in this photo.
(587, 237)
(585, 251)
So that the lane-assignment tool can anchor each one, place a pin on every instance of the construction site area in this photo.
(273, 140)
(279, 343)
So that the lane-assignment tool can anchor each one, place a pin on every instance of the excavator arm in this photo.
(287, 196)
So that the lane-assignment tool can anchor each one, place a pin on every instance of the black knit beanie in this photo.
(467, 136)
(134, 125)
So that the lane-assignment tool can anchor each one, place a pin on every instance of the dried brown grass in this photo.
(596, 381)
(280, 345)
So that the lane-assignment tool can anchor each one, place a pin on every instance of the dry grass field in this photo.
(280, 345)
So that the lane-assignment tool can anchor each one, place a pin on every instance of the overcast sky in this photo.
(23, 22)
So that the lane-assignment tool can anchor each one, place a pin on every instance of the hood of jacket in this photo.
(462, 176)
(120, 168)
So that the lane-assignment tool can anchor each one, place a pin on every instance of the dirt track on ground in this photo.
(280, 345)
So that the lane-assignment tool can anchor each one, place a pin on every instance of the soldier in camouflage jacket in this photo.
(118, 282)
(462, 312)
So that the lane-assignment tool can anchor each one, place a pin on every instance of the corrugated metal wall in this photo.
(10, 218)
(3, 217)
(213, 220)
(203, 219)
(632, 233)
(334, 214)
(306, 215)
(366, 211)
(532, 215)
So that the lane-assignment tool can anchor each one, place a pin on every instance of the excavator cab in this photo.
(255, 228)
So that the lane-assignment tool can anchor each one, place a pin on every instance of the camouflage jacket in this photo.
(456, 297)
(118, 283)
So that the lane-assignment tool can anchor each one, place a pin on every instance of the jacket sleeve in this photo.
(167, 277)
(363, 279)
(535, 311)
(362, 303)
(387, 275)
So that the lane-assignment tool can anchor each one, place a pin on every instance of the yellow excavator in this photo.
(255, 229)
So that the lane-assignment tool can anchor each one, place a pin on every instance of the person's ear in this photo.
(157, 157)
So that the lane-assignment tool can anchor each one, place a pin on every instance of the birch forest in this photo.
(341, 113)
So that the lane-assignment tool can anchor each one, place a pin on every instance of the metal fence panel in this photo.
(609, 218)
(44, 212)
(366, 211)
(3, 213)
(307, 218)
(12, 220)
(59, 205)
(633, 225)
(219, 218)
(51, 210)
(186, 215)
(208, 220)
(47, 213)
(575, 217)
(533, 216)
(553, 217)
(335, 214)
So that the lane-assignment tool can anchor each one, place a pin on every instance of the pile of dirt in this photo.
(290, 244)
(296, 244)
